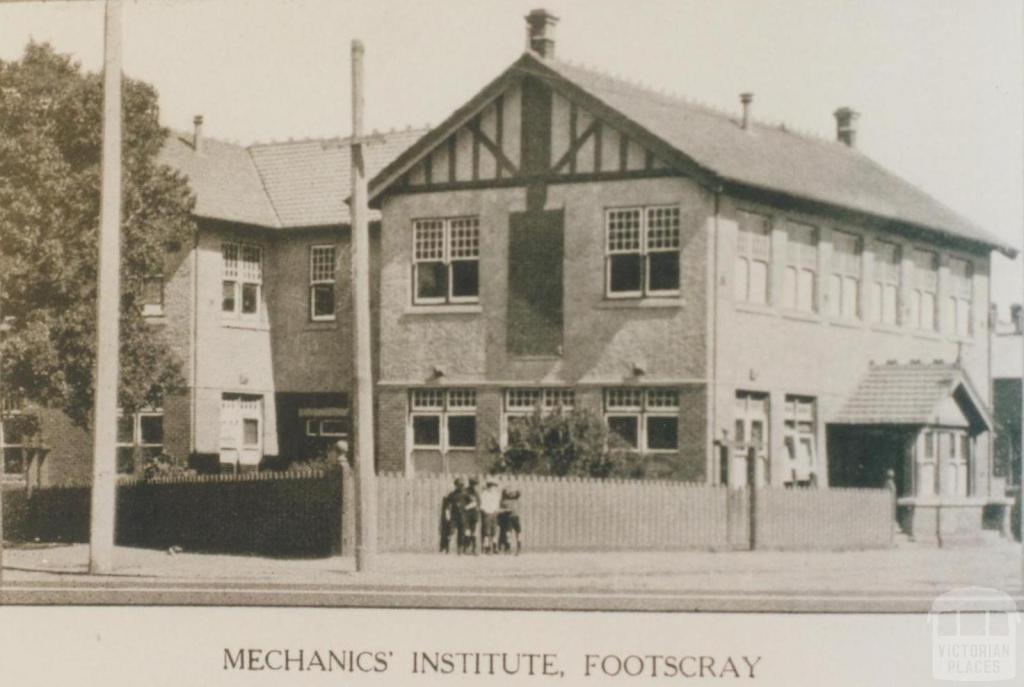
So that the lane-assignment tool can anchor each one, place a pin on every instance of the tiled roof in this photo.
(223, 179)
(278, 185)
(308, 182)
(904, 394)
(772, 158)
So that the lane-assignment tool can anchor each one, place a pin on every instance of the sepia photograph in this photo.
(590, 312)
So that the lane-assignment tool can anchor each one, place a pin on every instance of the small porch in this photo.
(925, 428)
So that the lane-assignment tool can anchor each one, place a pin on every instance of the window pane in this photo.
(914, 311)
(758, 282)
(627, 428)
(626, 272)
(14, 461)
(789, 288)
(624, 230)
(889, 304)
(739, 434)
(462, 431)
(662, 433)
(757, 432)
(323, 300)
(125, 430)
(431, 280)
(835, 294)
(426, 430)
(741, 279)
(250, 298)
(664, 275)
(125, 459)
(152, 428)
(805, 291)
(850, 288)
(928, 311)
(228, 296)
(465, 278)
(250, 432)
(321, 263)
(334, 427)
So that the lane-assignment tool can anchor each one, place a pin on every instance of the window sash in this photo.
(242, 276)
(322, 264)
(520, 400)
(445, 241)
(641, 231)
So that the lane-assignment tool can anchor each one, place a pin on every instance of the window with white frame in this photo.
(753, 256)
(921, 309)
(321, 282)
(446, 260)
(140, 435)
(799, 279)
(885, 286)
(642, 251)
(799, 422)
(647, 420)
(443, 419)
(961, 294)
(153, 296)
(16, 431)
(522, 403)
(242, 279)
(844, 281)
(327, 427)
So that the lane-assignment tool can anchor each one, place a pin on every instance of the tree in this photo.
(50, 143)
(565, 442)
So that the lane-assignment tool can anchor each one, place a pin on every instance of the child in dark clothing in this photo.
(450, 520)
(469, 512)
(508, 521)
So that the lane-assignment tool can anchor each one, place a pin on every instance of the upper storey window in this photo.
(921, 312)
(844, 282)
(242, 279)
(642, 251)
(446, 260)
(753, 255)
(321, 283)
(799, 281)
(961, 294)
(885, 287)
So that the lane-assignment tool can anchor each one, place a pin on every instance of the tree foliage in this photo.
(572, 442)
(50, 148)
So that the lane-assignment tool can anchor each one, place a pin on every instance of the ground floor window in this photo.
(17, 430)
(647, 420)
(241, 429)
(521, 403)
(800, 428)
(140, 437)
(443, 419)
(942, 460)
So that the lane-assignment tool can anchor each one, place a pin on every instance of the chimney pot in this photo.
(540, 32)
(197, 133)
(746, 99)
(846, 126)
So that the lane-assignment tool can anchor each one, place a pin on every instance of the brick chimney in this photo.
(197, 133)
(846, 126)
(540, 32)
(746, 99)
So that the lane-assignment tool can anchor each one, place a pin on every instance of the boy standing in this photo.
(490, 504)
(508, 520)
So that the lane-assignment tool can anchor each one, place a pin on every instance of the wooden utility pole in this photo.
(366, 478)
(108, 305)
(3, 458)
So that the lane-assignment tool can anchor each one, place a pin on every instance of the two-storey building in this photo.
(710, 284)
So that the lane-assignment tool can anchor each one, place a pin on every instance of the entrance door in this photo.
(241, 429)
(750, 430)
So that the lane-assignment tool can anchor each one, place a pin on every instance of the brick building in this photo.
(710, 284)
(707, 282)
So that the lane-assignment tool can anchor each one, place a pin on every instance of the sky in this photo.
(939, 83)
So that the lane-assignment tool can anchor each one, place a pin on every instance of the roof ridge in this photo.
(337, 139)
(673, 96)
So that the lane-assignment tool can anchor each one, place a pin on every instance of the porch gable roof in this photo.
(911, 394)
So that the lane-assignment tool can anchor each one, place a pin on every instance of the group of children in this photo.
(495, 509)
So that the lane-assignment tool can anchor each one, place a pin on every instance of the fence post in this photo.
(348, 524)
(752, 486)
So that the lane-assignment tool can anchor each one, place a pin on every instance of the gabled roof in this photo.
(278, 185)
(223, 179)
(712, 145)
(909, 394)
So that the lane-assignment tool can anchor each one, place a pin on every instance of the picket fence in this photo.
(567, 514)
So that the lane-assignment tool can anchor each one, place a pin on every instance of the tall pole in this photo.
(366, 479)
(104, 417)
(3, 453)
